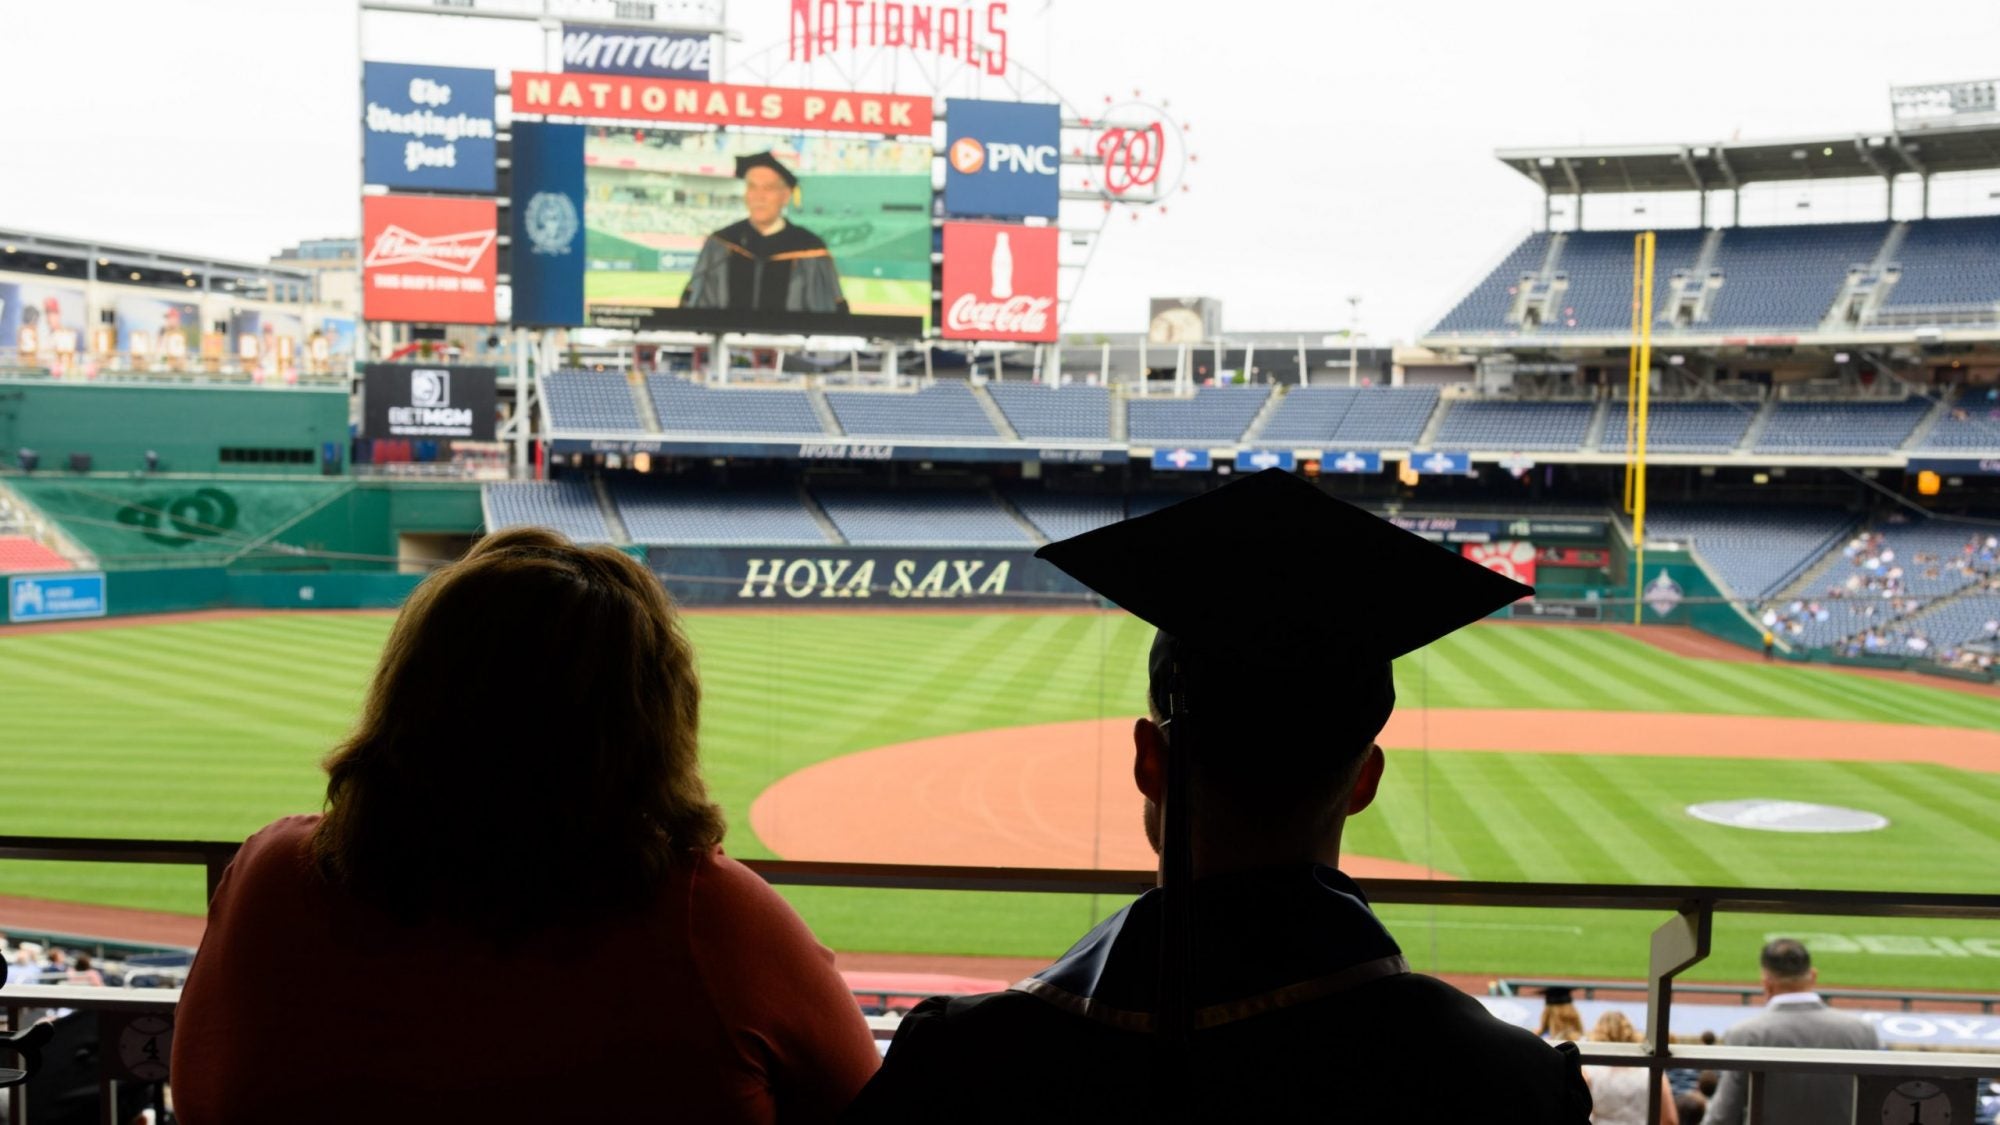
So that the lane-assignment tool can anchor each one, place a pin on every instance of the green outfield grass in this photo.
(209, 729)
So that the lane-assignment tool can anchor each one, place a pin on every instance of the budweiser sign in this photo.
(459, 252)
(430, 259)
(999, 282)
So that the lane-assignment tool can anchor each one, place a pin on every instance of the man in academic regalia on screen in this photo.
(765, 263)
(1275, 995)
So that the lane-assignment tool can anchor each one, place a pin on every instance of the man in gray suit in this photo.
(1794, 1016)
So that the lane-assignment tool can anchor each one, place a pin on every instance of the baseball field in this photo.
(1518, 753)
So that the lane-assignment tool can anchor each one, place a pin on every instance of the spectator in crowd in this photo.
(1691, 1107)
(366, 964)
(1299, 1005)
(1618, 1094)
(1794, 1016)
(83, 972)
(1560, 1022)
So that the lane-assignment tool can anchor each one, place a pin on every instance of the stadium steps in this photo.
(1755, 432)
(1810, 578)
(1922, 433)
(35, 524)
(1599, 418)
(827, 421)
(1264, 415)
(1118, 430)
(820, 517)
(643, 403)
(1028, 527)
(1432, 426)
(613, 522)
(993, 412)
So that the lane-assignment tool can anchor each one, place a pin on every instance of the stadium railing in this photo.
(1677, 945)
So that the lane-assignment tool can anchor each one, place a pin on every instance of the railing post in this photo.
(1681, 942)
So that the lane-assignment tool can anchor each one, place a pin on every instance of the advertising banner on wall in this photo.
(55, 597)
(38, 320)
(999, 282)
(1002, 159)
(1510, 557)
(428, 402)
(1351, 461)
(820, 578)
(547, 219)
(732, 231)
(589, 49)
(628, 98)
(427, 127)
(428, 259)
(148, 326)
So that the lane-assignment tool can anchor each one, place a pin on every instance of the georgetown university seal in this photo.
(551, 222)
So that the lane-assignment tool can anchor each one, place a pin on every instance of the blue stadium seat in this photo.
(1598, 265)
(590, 400)
(945, 409)
(1684, 427)
(881, 518)
(1754, 551)
(1841, 426)
(568, 505)
(683, 408)
(1473, 424)
(1788, 276)
(671, 513)
(1215, 414)
(1062, 514)
(1344, 416)
(1037, 410)
(1972, 423)
(1485, 308)
(1948, 264)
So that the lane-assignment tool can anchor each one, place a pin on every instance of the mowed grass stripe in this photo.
(1483, 837)
(1616, 853)
(1543, 830)
(1637, 809)
(194, 696)
(1403, 813)
(1513, 656)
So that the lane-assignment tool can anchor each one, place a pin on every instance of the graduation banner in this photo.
(547, 224)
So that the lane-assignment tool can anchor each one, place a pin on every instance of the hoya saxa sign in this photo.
(590, 49)
(428, 128)
(1002, 159)
(427, 259)
(999, 282)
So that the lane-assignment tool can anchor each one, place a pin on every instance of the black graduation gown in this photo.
(739, 268)
(1305, 1011)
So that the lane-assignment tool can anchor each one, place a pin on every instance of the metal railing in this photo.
(1679, 943)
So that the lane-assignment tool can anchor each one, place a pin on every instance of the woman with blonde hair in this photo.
(1618, 1093)
(1560, 1022)
(515, 906)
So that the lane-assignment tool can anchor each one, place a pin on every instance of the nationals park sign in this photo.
(632, 98)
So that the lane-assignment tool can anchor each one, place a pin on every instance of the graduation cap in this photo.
(765, 160)
(1558, 994)
(1265, 585)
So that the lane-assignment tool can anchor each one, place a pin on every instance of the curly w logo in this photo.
(180, 520)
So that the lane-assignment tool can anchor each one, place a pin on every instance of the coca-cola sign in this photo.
(428, 259)
(999, 282)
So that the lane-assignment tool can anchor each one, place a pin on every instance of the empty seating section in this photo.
(1213, 414)
(1684, 427)
(880, 518)
(1754, 551)
(1787, 277)
(1485, 308)
(684, 407)
(1037, 410)
(1514, 425)
(1060, 515)
(1841, 427)
(1598, 264)
(590, 400)
(18, 553)
(695, 515)
(941, 410)
(568, 506)
(1972, 422)
(1948, 263)
(1959, 620)
(1339, 416)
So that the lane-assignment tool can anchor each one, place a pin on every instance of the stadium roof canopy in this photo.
(1728, 165)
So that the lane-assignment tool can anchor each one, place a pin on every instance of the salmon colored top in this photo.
(307, 1005)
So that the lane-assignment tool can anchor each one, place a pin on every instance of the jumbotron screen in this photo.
(818, 234)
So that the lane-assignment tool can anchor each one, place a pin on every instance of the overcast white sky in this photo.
(1344, 147)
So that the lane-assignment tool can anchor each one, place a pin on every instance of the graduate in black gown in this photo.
(1280, 996)
(765, 263)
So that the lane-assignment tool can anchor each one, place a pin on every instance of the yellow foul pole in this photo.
(1636, 400)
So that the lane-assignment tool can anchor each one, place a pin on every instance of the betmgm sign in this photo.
(428, 402)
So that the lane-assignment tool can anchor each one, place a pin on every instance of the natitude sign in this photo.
(428, 259)
(999, 282)
(587, 49)
(629, 98)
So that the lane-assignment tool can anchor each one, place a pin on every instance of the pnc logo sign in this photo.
(968, 155)
(1002, 159)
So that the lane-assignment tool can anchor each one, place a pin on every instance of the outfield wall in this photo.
(263, 429)
(860, 577)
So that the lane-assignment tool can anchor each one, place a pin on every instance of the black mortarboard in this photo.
(765, 160)
(1261, 586)
(1558, 994)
